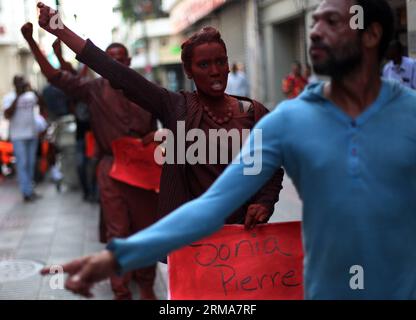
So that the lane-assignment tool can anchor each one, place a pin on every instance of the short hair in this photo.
(205, 35)
(18, 79)
(379, 11)
(397, 45)
(117, 45)
(297, 63)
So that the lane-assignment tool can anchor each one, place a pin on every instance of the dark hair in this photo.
(18, 79)
(206, 35)
(397, 45)
(118, 45)
(379, 11)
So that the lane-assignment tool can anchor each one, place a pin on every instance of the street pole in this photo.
(303, 6)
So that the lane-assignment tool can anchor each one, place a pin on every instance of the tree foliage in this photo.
(134, 10)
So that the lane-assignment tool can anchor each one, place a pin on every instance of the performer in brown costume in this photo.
(127, 209)
(205, 60)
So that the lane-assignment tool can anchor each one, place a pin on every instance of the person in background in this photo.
(294, 83)
(19, 109)
(237, 84)
(400, 68)
(82, 119)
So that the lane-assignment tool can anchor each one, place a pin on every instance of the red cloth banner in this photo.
(134, 163)
(234, 264)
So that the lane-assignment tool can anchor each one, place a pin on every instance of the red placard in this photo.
(90, 145)
(134, 163)
(234, 264)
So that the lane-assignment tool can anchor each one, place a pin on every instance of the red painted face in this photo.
(120, 55)
(209, 69)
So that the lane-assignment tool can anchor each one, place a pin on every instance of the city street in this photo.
(53, 230)
(60, 227)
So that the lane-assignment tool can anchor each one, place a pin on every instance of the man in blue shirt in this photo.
(350, 147)
(400, 68)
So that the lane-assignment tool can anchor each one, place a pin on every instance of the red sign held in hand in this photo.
(234, 264)
(134, 163)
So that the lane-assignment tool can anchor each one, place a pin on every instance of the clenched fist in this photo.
(27, 31)
(49, 19)
(256, 213)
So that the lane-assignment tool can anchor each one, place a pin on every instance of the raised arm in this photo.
(75, 86)
(65, 65)
(50, 21)
(190, 222)
(138, 89)
(46, 68)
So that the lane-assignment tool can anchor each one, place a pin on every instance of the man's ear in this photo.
(372, 36)
(129, 61)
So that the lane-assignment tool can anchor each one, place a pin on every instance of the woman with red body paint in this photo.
(205, 61)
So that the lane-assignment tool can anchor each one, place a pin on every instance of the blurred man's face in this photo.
(119, 54)
(393, 54)
(336, 48)
(296, 69)
(19, 84)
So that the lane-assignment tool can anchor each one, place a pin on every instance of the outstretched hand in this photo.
(49, 19)
(256, 213)
(27, 31)
(85, 272)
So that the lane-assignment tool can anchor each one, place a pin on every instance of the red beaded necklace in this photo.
(220, 120)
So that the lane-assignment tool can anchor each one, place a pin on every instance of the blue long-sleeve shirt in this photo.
(357, 180)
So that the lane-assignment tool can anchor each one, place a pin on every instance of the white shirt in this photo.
(405, 73)
(22, 124)
(237, 84)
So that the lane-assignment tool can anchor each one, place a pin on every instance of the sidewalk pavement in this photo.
(55, 229)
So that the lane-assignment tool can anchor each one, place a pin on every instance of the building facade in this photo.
(285, 37)
(154, 48)
(237, 20)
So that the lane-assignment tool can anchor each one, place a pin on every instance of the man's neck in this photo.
(355, 92)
